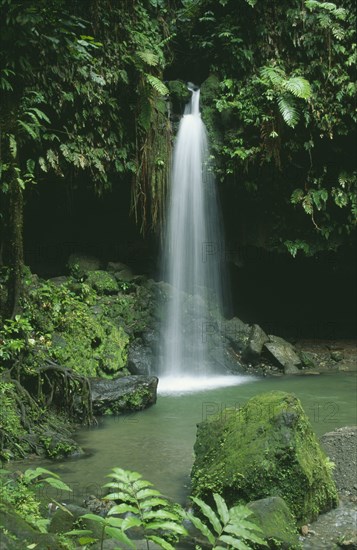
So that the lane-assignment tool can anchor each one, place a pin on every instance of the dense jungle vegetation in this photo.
(91, 95)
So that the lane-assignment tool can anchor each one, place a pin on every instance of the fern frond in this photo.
(274, 75)
(298, 86)
(158, 86)
(288, 110)
(148, 57)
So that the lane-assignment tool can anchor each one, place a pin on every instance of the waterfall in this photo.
(192, 255)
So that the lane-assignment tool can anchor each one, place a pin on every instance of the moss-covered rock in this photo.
(266, 448)
(80, 264)
(102, 281)
(276, 521)
(16, 533)
(130, 393)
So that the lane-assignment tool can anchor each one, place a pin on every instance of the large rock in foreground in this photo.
(266, 448)
(274, 518)
(130, 393)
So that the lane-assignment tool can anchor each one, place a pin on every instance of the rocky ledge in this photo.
(118, 395)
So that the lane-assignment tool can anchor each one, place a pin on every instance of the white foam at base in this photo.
(191, 384)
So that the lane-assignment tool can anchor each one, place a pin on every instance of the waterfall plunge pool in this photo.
(158, 442)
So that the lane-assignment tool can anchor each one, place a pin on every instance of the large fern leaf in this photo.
(298, 86)
(151, 511)
(273, 75)
(233, 528)
(287, 108)
(158, 86)
(148, 57)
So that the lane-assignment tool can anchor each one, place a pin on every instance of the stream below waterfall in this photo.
(158, 442)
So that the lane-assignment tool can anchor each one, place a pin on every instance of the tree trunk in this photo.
(13, 256)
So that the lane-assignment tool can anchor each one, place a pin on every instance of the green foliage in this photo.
(11, 429)
(229, 528)
(282, 116)
(14, 336)
(145, 508)
(151, 510)
(66, 328)
(18, 491)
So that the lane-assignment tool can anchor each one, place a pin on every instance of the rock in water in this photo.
(283, 354)
(118, 395)
(266, 448)
(274, 518)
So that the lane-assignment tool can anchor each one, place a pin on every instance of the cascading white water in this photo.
(191, 254)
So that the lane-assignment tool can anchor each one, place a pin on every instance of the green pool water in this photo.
(158, 442)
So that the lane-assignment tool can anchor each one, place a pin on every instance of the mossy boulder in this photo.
(273, 516)
(103, 282)
(80, 264)
(16, 533)
(90, 344)
(266, 448)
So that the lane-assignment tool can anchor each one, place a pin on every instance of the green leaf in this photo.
(150, 503)
(167, 526)
(94, 517)
(233, 542)
(130, 522)
(298, 86)
(159, 514)
(288, 110)
(201, 527)
(209, 513)
(161, 542)
(119, 496)
(158, 86)
(78, 532)
(123, 509)
(148, 57)
(28, 129)
(57, 483)
(144, 493)
(114, 522)
(221, 508)
(118, 534)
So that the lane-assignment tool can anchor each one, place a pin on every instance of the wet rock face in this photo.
(130, 393)
(341, 446)
(266, 448)
(140, 357)
(284, 354)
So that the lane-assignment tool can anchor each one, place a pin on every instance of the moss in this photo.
(179, 91)
(12, 432)
(274, 518)
(91, 346)
(133, 401)
(265, 448)
(57, 447)
(102, 282)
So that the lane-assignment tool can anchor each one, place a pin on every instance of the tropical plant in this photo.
(160, 521)
(228, 528)
(147, 507)
(19, 491)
